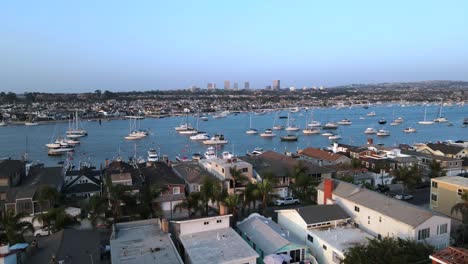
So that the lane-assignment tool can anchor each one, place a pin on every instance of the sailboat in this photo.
(290, 126)
(135, 133)
(440, 118)
(310, 131)
(276, 127)
(268, 133)
(251, 131)
(74, 130)
(425, 122)
(313, 123)
(185, 126)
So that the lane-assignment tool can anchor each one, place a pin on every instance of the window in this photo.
(380, 219)
(206, 223)
(434, 184)
(254, 246)
(324, 247)
(175, 190)
(423, 233)
(222, 170)
(459, 192)
(219, 221)
(310, 238)
(245, 169)
(295, 255)
(356, 209)
(356, 225)
(434, 197)
(442, 229)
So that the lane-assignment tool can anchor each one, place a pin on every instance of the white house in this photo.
(325, 230)
(211, 240)
(381, 215)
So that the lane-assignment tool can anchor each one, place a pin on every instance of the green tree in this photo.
(48, 197)
(408, 176)
(435, 169)
(207, 193)
(303, 184)
(462, 209)
(14, 227)
(54, 219)
(232, 203)
(388, 251)
(265, 190)
(192, 204)
(251, 195)
(237, 177)
(97, 207)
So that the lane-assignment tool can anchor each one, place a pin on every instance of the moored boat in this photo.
(268, 133)
(216, 140)
(409, 130)
(383, 133)
(345, 122)
(370, 130)
(289, 138)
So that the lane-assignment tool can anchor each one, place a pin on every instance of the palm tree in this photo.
(14, 227)
(115, 196)
(47, 196)
(304, 184)
(97, 207)
(207, 193)
(237, 177)
(251, 195)
(265, 189)
(232, 203)
(53, 219)
(192, 204)
(462, 208)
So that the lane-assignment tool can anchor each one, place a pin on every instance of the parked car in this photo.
(287, 201)
(404, 197)
(42, 232)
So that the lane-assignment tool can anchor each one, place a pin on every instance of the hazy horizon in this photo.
(55, 46)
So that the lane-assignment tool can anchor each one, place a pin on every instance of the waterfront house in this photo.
(451, 166)
(193, 174)
(82, 183)
(322, 157)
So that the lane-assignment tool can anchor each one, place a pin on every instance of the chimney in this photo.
(335, 147)
(223, 210)
(107, 163)
(370, 141)
(165, 225)
(327, 190)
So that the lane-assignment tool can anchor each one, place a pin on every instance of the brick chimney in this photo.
(223, 210)
(327, 190)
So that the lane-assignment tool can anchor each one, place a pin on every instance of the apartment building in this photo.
(446, 192)
(381, 215)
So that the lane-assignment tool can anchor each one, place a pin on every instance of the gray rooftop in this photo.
(401, 211)
(217, 246)
(267, 235)
(191, 172)
(313, 214)
(342, 237)
(454, 180)
(142, 242)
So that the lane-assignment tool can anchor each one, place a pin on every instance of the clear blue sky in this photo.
(85, 45)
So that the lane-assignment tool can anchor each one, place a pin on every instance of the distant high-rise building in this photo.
(276, 85)
(210, 86)
(268, 87)
(227, 85)
(236, 86)
(246, 85)
(214, 86)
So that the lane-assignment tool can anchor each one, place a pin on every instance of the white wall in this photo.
(292, 221)
(198, 225)
(438, 241)
(323, 256)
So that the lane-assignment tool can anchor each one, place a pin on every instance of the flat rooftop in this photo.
(341, 237)
(142, 242)
(454, 180)
(217, 246)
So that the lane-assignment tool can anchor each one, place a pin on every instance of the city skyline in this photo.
(56, 47)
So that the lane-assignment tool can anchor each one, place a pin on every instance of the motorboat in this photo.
(330, 125)
(425, 122)
(334, 137)
(189, 131)
(409, 130)
(311, 131)
(345, 122)
(399, 120)
(200, 136)
(251, 131)
(59, 151)
(383, 133)
(289, 138)
(465, 121)
(278, 127)
(327, 134)
(197, 156)
(203, 118)
(370, 130)
(268, 134)
(227, 155)
(216, 140)
(394, 124)
(382, 121)
(72, 142)
(153, 155)
(314, 124)
(210, 153)
(371, 113)
(257, 151)
(362, 118)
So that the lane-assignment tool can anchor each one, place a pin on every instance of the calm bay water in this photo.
(106, 140)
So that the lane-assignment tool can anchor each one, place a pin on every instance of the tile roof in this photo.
(401, 211)
(266, 234)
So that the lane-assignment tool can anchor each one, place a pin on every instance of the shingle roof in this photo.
(160, 175)
(445, 148)
(420, 154)
(321, 213)
(280, 164)
(401, 211)
(266, 234)
(82, 188)
(321, 154)
(191, 172)
(7, 167)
